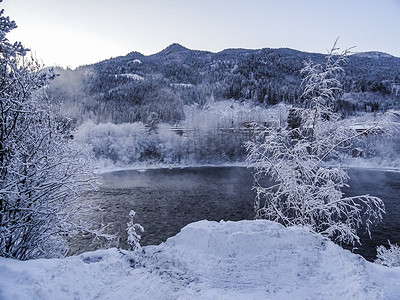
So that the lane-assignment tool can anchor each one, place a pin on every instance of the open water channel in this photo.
(166, 200)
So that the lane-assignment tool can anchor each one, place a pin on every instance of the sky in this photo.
(70, 33)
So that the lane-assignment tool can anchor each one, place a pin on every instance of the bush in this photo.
(388, 257)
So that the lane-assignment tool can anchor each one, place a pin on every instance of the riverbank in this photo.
(374, 163)
(155, 166)
(349, 162)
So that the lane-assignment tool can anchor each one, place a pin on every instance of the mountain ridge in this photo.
(180, 53)
(176, 48)
(130, 87)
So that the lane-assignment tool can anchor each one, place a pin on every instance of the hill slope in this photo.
(128, 88)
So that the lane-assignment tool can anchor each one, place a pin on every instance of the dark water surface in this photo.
(385, 185)
(166, 200)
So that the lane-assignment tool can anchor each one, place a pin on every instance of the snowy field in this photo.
(208, 260)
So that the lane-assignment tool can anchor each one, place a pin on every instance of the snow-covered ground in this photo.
(208, 260)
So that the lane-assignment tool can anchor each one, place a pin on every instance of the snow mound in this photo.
(208, 260)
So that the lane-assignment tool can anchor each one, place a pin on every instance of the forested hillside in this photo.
(130, 88)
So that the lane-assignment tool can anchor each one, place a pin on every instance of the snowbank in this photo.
(208, 260)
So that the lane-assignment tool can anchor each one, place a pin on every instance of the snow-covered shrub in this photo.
(123, 143)
(388, 257)
(303, 188)
(128, 143)
(133, 229)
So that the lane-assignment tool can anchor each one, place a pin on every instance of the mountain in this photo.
(173, 49)
(128, 88)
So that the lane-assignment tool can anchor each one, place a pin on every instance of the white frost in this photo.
(130, 76)
(133, 76)
(208, 260)
(183, 85)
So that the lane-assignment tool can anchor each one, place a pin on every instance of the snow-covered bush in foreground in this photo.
(388, 257)
(208, 260)
(305, 189)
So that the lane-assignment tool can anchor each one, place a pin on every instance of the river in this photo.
(166, 200)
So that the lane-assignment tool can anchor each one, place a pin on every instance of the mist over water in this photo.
(166, 200)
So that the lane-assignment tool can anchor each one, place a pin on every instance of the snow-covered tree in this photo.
(298, 178)
(40, 172)
(134, 230)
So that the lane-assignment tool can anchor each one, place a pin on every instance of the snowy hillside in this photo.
(208, 260)
(177, 76)
(374, 55)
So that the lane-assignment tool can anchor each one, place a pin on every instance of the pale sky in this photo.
(75, 32)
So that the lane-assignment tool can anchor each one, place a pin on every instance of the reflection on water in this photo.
(166, 200)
